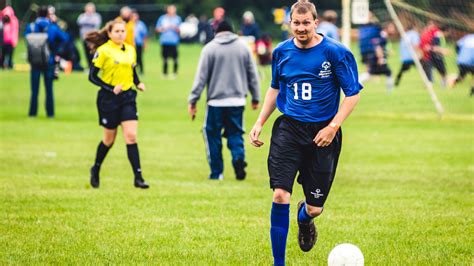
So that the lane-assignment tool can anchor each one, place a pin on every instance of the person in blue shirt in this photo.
(465, 60)
(308, 73)
(372, 44)
(413, 38)
(328, 27)
(249, 27)
(56, 37)
(168, 28)
(141, 33)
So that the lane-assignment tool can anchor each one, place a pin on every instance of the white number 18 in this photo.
(305, 91)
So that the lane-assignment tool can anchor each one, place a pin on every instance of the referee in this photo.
(116, 99)
(308, 73)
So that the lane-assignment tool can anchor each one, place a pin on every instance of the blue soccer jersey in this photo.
(310, 80)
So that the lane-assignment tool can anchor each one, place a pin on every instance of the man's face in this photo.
(171, 10)
(303, 27)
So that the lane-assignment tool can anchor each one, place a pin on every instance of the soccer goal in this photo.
(424, 38)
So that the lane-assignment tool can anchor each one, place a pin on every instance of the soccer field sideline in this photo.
(403, 191)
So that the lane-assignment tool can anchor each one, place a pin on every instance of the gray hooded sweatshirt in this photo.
(227, 68)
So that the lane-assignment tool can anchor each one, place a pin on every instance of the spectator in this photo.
(168, 28)
(126, 15)
(219, 16)
(249, 27)
(88, 21)
(10, 37)
(264, 49)
(55, 38)
(204, 30)
(328, 27)
(141, 33)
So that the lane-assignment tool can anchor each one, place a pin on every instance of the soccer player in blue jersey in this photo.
(308, 73)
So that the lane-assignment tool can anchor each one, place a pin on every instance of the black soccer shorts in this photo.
(169, 51)
(114, 109)
(293, 151)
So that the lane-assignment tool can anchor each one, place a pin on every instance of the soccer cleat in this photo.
(307, 233)
(239, 167)
(95, 181)
(140, 183)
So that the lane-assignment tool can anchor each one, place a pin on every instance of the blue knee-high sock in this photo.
(280, 221)
(303, 215)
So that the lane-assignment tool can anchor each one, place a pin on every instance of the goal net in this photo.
(429, 34)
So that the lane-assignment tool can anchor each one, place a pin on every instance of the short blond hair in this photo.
(303, 7)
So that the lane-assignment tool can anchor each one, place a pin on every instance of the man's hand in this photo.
(192, 110)
(255, 105)
(254, 134)
(117, 89)
(325, 136)
(141, 86)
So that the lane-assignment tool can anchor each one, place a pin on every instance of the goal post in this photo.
(419, 67)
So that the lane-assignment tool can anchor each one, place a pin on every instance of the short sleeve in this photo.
(99, 59)
(158, 22)
(275, 72)
(347, 75)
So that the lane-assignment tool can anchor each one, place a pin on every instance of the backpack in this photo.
(38, 48)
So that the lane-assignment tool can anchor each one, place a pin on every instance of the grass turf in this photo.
(403, 191)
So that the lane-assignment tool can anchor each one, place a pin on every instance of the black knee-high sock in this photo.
(175, 66)
(165, 66)
(102, 151)
(134, 158)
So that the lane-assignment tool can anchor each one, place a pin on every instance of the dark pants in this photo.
(6, 59)
(87, 50)
(405, 66)
(48, 75)
(139, 49)
(228, 119)
(166, 52)
(436, 62)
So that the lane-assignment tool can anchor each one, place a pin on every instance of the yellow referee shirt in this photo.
(116, 65)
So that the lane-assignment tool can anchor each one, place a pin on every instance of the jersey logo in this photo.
(326, 70)
(116, 62)
(96, 55)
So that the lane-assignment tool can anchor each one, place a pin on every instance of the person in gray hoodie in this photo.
(227, 68)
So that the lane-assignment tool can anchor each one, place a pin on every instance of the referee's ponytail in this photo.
(96, 38)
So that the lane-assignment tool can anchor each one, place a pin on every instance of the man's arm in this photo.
(269, 106)
(253, 80)
(200, 81)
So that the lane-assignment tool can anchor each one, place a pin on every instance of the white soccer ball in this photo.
(345, 254)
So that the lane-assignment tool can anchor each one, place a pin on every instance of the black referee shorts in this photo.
(293, 151)
(114, 109)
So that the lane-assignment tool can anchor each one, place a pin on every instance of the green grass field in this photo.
(403, 191)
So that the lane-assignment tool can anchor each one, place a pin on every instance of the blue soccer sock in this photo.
(303, 215)
(280, 221)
